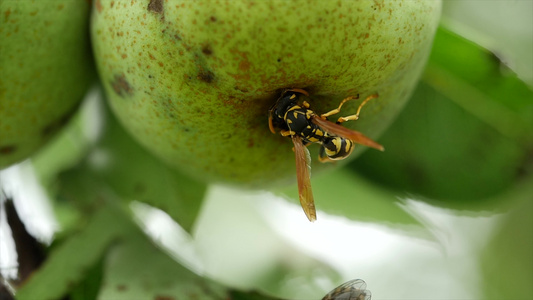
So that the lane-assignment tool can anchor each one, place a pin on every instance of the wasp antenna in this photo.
(301, 91)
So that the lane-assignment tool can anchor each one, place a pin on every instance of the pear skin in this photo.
(46, 68)
(193, 81)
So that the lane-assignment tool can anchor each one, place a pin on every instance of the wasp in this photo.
(351, 290)
(295, 119)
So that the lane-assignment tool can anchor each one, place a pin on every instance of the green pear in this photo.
(193, 81)
(46, 68)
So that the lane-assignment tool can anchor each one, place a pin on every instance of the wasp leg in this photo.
(287, 132)
(325, 160)
(338, 109)
(322, 157)
(356, 116)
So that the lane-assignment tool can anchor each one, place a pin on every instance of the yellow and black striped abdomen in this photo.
(336, 148)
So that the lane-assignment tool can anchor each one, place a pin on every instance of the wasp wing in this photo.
(346, 133)
(303, 174)
(351, 290)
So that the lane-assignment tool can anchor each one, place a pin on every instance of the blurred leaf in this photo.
(65, 151)
(345, 193)
(477, 81)
(505, 27)
(507, 260)
(117, 169)
(358, 199)
(466, 133)
(67, 264)
(73, 143)
(89, 288)
(119, 163)
(238, 295)
(243, 246)
(136, 269)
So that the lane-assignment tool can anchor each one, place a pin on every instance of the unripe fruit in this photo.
(45, 69)
(193, 80)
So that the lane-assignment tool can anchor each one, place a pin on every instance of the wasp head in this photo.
(288, 99)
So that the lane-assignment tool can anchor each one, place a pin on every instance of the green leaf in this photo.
(345, 193)
(89, 288)
(507, 260)
(71, 145)
(120, 164)
(68, 263)
(465, 135)
(503, 26)
(116, 170)
(238, 295)
(136, 269)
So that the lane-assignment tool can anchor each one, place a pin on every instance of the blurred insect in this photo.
(296, 120)
(351, 290)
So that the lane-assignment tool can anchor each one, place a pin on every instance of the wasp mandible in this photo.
(295, 119)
